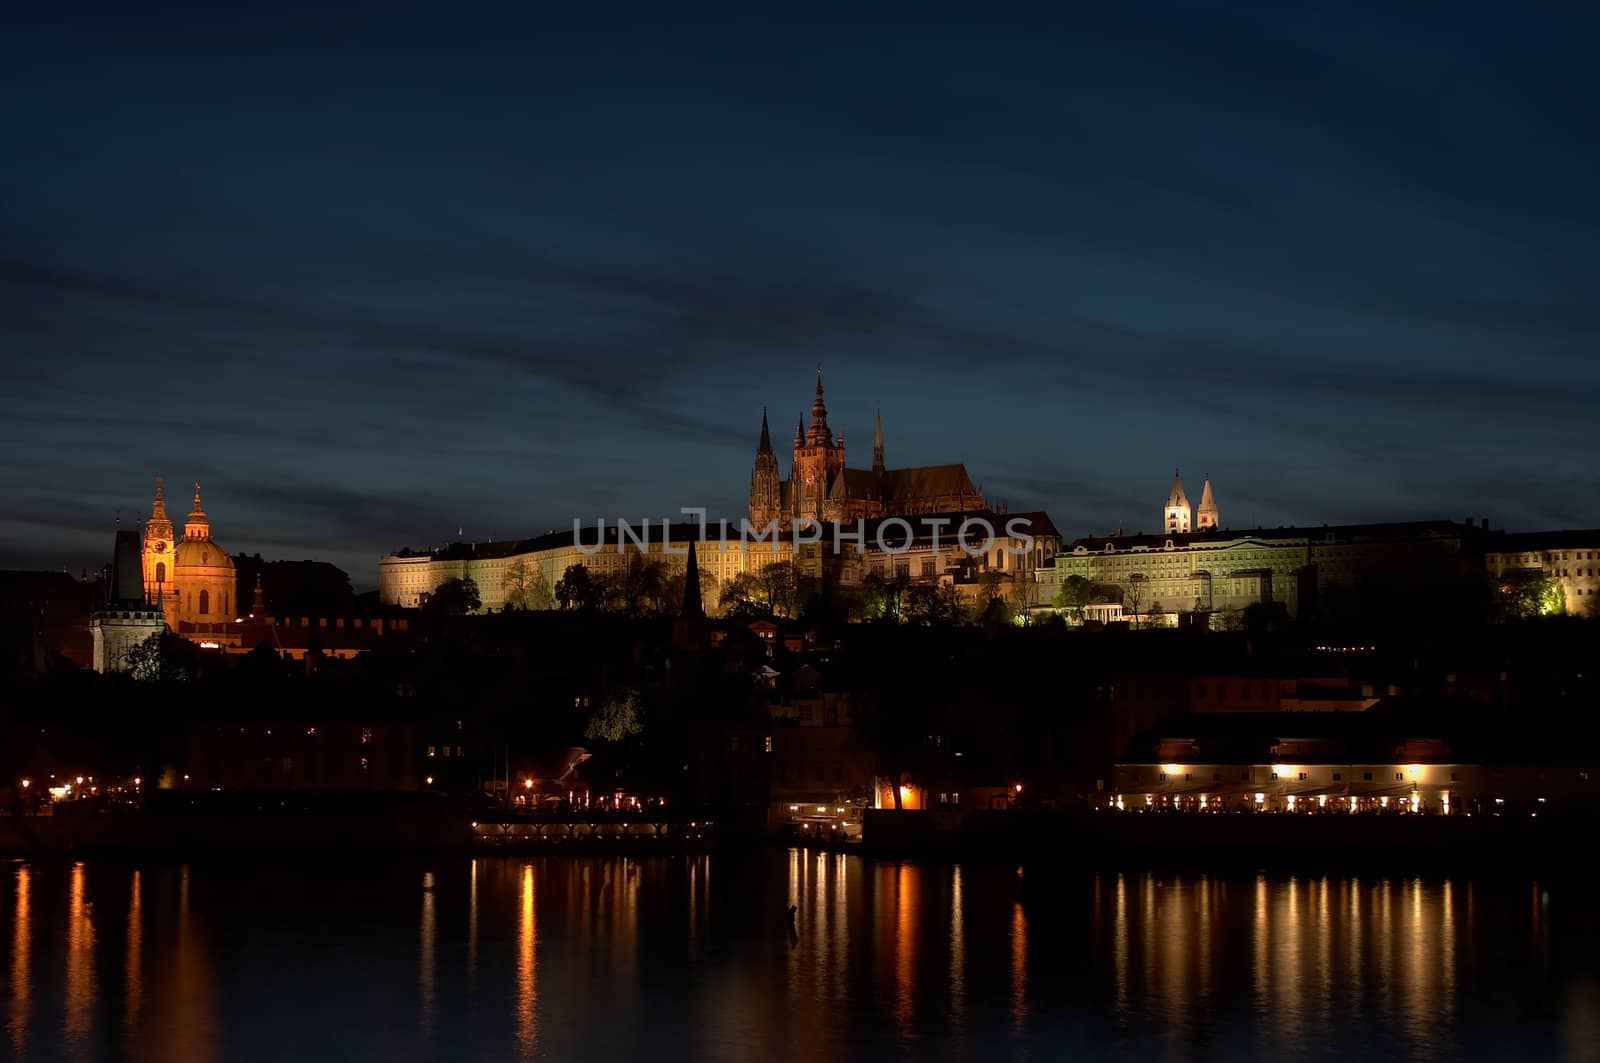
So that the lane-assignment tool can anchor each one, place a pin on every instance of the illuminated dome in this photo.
(203, 573)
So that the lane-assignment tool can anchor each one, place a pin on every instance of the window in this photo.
(430, 751)
(1366, 776)
(447, 751)
(366, 736)
(1399, 776)
(205, 602)
(1453, 776)
(1304, 776)
(161, 572)
(1188, 777)
(927, 566)
(1338, 776)
(767, 743)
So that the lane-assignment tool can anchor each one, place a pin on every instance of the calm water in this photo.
(691, 958)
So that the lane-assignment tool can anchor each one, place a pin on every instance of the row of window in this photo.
(1304, 776)
(444, 751)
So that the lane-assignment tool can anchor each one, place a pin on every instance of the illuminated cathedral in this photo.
(821, 487)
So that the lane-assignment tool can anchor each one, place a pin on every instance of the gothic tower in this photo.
(877, 447)
(1206, 516)
(1176, 517)
(817, 460)
(765, 505)
(158, 551)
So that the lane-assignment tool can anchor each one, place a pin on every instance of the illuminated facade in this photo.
(821, 487)
(1221, 572)
(1569, 559)
(891, 548)
(192, 580)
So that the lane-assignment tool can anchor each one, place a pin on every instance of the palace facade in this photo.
(922, 548)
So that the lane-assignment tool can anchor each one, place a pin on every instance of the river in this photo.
(692, 957)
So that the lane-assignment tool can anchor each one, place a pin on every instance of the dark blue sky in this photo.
(372, 276)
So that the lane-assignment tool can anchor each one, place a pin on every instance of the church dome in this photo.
(197, 549)
(200, 553)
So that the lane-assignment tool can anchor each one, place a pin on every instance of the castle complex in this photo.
(904, 525)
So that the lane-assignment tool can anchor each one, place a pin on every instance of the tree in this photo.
(156, 659)
(526, 587)
(1073, 596)
(615, 719)
(776, 582)
(578, 589)
(1526, 594)
(639, 588)
(934, 604)
(741, 596)
(884, 596)
(455, 597)
(1133, 596)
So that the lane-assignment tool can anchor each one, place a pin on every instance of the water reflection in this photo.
(527, 969)
(132, 971)
(21, 1010)
(425, 971)
(554, 958)
(79, 967)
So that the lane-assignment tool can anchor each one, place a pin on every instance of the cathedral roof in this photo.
(854, 483)
(926, 481)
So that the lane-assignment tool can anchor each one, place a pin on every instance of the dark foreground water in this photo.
(664, 958)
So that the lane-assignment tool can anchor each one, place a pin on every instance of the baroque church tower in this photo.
(158, 552)
(766, 496)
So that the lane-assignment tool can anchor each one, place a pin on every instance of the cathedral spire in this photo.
(800, 432)
(765, 446)
(877, 445)
(819, 436)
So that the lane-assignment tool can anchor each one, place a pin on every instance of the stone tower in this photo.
(1205, 517)
(128, 618)
(1176, 517)
(765, 493)
(817, 460)
(158, 552)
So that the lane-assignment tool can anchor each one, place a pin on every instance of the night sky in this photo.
(374, 276)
